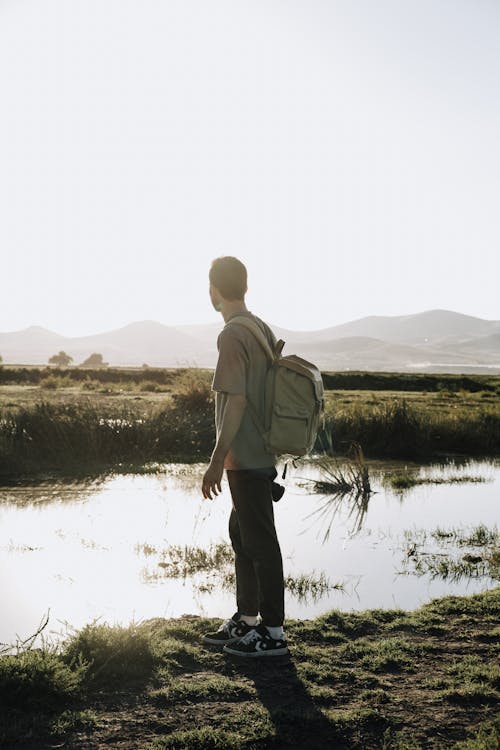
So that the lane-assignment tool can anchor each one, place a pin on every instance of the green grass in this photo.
(416, 382)
(350, 381)
(77, 421)
(406, 480)
(478, 536)
(179, 562)
(217, 563)
(411, 428)
(358, 680)
(110, 654)
(79, 437)
(481, 560)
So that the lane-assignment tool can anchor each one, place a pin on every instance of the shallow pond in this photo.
(104, 549)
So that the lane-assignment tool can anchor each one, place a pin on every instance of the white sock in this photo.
(276, 633)
(249, 619)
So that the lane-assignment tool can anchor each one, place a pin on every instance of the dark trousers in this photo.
(258, 562)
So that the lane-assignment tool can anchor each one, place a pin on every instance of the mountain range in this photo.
(431, 341)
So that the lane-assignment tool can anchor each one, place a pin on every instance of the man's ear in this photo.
(215, 297)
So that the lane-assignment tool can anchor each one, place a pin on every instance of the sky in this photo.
(347, 151)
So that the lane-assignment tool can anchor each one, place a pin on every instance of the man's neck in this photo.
(232, 307)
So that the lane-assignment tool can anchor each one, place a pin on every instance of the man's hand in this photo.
(212, 479)
(231, 420)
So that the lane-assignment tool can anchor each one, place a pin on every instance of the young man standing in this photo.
(238, 382)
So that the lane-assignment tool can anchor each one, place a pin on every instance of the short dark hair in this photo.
(229, 276)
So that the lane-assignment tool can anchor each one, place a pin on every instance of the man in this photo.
(238, 381)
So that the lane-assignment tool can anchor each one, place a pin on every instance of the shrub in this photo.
(38, 679)
(110, 653)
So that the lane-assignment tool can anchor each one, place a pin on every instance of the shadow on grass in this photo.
(297, 719)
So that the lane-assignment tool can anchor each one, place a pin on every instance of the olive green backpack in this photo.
(293, 398)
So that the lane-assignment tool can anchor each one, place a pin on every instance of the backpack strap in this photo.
(257, 331)
(271, 355)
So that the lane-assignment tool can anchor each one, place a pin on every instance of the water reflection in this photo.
(212, 568)
(48, 491)
(92, 549)
(350, 506)
(440, 554)
(345, 486)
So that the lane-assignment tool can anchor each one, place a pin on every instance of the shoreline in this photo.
(391, 679)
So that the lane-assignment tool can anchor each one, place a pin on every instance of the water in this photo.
(77, 549)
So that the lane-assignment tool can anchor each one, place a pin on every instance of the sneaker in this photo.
(257, 642)
(229, 632)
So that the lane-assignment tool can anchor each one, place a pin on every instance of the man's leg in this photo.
(247, 587)
(257, 542)
(247, 594)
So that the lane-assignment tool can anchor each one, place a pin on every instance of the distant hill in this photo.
(427, 328)
(437, 340)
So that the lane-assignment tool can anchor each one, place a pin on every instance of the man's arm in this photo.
(231, 420)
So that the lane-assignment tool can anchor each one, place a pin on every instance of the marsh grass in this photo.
(346, 485)
(348, 478)
(145, 549)
(443, 566)
(407, 480)
(180, 562)
(479, 536)
(396, 428)
(386, 655)
(215, 565)
(167, 415)
(311, 587)
(482, 560)
(51, 382)
(472, 679)
(72, 437)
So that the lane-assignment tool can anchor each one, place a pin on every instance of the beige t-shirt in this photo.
(241, 369)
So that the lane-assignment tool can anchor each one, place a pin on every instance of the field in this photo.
(78, 421)
(374, 680)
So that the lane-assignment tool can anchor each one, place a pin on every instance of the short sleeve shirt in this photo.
(241, 369)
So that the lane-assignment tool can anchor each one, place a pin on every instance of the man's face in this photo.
(215, 298)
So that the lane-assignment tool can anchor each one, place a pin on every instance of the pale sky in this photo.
(348, 151)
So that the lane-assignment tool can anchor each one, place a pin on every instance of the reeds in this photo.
(215, 565)
(74, 437)
(80, 436)
(347, 488)
(404, 480)
(482, 560)
(398, 430)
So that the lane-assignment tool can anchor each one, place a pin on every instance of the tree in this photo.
(95, 360)
(62, 359)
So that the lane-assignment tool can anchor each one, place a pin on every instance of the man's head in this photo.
(228, 280)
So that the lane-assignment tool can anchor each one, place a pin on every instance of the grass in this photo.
(180, 562)
(75, 421)
(217, 563)
(350, 478)
(404, 480)
(414, 382)
(350, 381)
(418, 427)
(479, 536)
(373, 680)
(482, 560)
(345, 485)
(81, 436)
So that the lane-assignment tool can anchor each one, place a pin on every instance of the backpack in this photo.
(293, 398)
